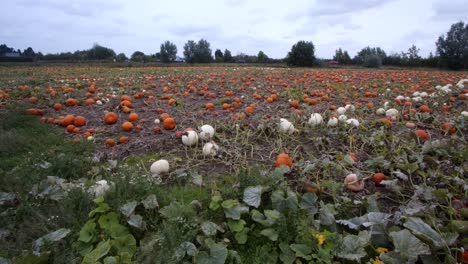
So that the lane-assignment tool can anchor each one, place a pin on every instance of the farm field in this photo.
(302, 166)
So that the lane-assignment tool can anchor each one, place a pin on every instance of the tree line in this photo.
(451, 52)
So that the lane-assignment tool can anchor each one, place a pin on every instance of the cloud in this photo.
(195, 30)
(340, 7)
(83, 8)
(455, 11)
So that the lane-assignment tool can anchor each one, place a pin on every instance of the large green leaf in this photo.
(102, 208)
(125, 244)
(235, 211)
(287, 256)
(100, 251)
(253, 195)
(236, 225)
(302, 251)
(241, 237)
(108, 220)
(418, 227)
(268, 219)
(326, 216)
(51, 237)
(218, 255)
(408, 246)
(128, 208)
(271, 233)
(185, 248)
(209, 228)
(87, 232)
(284, 200)
(352, 246)
(150, 202)
(309, 203)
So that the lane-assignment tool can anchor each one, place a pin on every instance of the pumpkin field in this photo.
(226, 164)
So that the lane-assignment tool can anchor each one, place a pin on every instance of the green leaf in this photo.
(271, 233)
(209, 228)
(302, 251)
(236, 225)
(125, 244)
(283, 201)
(253, 195)
(51, 237)
(287, 256)
(108, 220)
(408, 246)
(111, 260)
(185, 248)
(100, 251)
(218, 255)
(150, 202)
(88, 232)
(418, 227)
(236, 211)
(99, 200)
(326, 216)
(352, 246)
(128, 208)
(102, 208)
(309, 203)
(268, 219)
(241, 237)
(229, 203)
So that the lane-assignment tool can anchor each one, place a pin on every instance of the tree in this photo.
(368, 51)
(262, 57)
(98, 52)
(453, 48)
(138, 56)
(197, 52)
(219, 56)
(227, 56)
(189, 51)
(5, 49)
(342, 57)
(29, 53)
(168, 52)
(301, 54)
(121, 57)
(203, 52)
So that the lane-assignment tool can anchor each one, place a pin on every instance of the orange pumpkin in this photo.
(123, 140)
(169, 123)
(67, 120)
(111, 118)
(110, 142)
(283, 159)
(133, 117)
(79, 121)
(422, 134)
(71, 102)
(127, 126)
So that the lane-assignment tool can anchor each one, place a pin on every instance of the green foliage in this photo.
(372, 61)
(262, 57)
(103, 236)
(137, 56)
(342, 57)
(121, 57)
(370, 54)
(197, 52)
(168, 52)
(453, 48)
(98, 52)
(219, 56)
(227, 57)
(301, 54)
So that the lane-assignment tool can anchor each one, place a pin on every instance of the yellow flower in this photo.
(320, 238)
(382, 250)
(376, 261)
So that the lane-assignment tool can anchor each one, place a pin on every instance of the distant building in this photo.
(333, 63)
(11, 54)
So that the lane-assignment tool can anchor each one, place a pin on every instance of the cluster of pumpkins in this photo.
(190, 138)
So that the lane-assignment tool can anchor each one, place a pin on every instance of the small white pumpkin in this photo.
(190, 139)
(210, 149)
(391, 112)
(353, 183)
(350, 107)
(380, 111)
(464, 113)
(333, 121)
(157, 121)
(315, 119)
(352, 122)
(341, 110)
(159, 167)
(285, 126)
(99, 188)
(342, 118)
(206, 132)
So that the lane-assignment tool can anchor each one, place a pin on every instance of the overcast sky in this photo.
(273, 26)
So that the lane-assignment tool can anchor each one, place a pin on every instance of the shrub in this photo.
(372, 61)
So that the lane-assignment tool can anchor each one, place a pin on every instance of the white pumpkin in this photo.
(159, 167)
(353, 183)
(285, 126)
(341, 110)
(99, 188)
(392, 112)
(350, 107)
(464, 113)
(352, 122)
(157, 121)
(380, 111)
(333, 121)
(342, 118)
(315, 119)
(190, 139)
(206, 132)
(210, 149)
